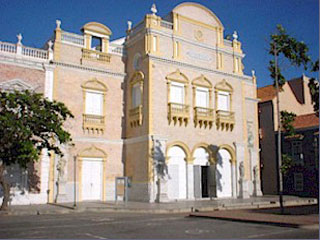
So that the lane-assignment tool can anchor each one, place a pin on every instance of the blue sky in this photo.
(254, 20)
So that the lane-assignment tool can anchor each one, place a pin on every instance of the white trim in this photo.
(97, 140)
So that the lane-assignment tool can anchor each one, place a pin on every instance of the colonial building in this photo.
(167, 106)
(294, 97)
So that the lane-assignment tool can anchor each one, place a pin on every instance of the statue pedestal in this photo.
(61, 194)
(163, 188)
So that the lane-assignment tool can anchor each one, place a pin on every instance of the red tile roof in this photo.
(306, 120)
(266, 93)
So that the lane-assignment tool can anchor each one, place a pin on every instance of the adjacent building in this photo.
(295, 97)
(167, 106)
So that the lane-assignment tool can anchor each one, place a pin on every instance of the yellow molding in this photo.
(184, 147)
(197, 5)
(212, 156)
(230, 150)
(198, 23)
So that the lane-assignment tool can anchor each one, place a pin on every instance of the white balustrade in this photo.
(8, 47)
(72, 38)
(166, 24)
(34, 52)
(118, 49)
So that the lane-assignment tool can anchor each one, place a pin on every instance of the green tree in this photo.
(287, 119)
(314, 87)
(28, 124)
(283, 45)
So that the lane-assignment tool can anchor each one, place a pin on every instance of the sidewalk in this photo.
(295, 216)
(172, 207)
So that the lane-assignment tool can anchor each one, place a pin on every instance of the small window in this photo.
(202, 97)
(136, 95)
(297, 155)
(154, 43)
(177, 93)
(96, 44)
(223, 101)
(298, 181)
(94, 103)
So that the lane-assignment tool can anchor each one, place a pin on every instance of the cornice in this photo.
(187, 65)
(90, 69)
(22, 62)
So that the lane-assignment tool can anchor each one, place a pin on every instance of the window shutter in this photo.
(202, 98)
(94, 103)
(223, 101)
(177, 93)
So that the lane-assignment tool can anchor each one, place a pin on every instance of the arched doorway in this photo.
(201, 172)
(223, 173)
(177, 182)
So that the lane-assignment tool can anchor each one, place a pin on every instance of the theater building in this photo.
(167, 106)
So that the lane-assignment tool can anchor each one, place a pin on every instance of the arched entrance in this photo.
(177, 182)
(201, 170)
(224, 173)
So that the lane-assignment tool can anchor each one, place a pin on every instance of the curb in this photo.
(62, 209)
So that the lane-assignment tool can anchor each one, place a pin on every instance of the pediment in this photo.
(224, 86)
(16, 84)
(97, 28)
(177, 76)
(93, 152)
(202, 81)
(94, 84)
(199, 13)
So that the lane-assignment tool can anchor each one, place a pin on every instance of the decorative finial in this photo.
(19, 36)
(235, 35)
(50, 44)
(154, 9)
(253, 73)
(129, 25)
(58, 22)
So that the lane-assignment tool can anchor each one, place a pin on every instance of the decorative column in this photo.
(190, 178)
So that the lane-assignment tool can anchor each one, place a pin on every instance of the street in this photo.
(94, 225)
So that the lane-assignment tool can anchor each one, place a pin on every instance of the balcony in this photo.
(178, 112)
(89, 54)
(203, 117)
(225, 119)
(135, 116)
(93, 122)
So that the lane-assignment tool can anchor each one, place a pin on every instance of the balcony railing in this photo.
(34, 52)
(135, 116)
(166, 24)
(8, 47)
(95, 55)
(178, 112)
(72, 38)
(225, 119)
(93, 122)
(203, 116)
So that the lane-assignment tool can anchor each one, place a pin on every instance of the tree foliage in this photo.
(287, 119)
(28, 124)
(314, 87)
(286, 163)
(283, 44)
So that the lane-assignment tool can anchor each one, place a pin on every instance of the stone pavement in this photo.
(266, 201)
(306, 216)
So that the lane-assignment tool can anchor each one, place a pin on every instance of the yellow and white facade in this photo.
(167, 106)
